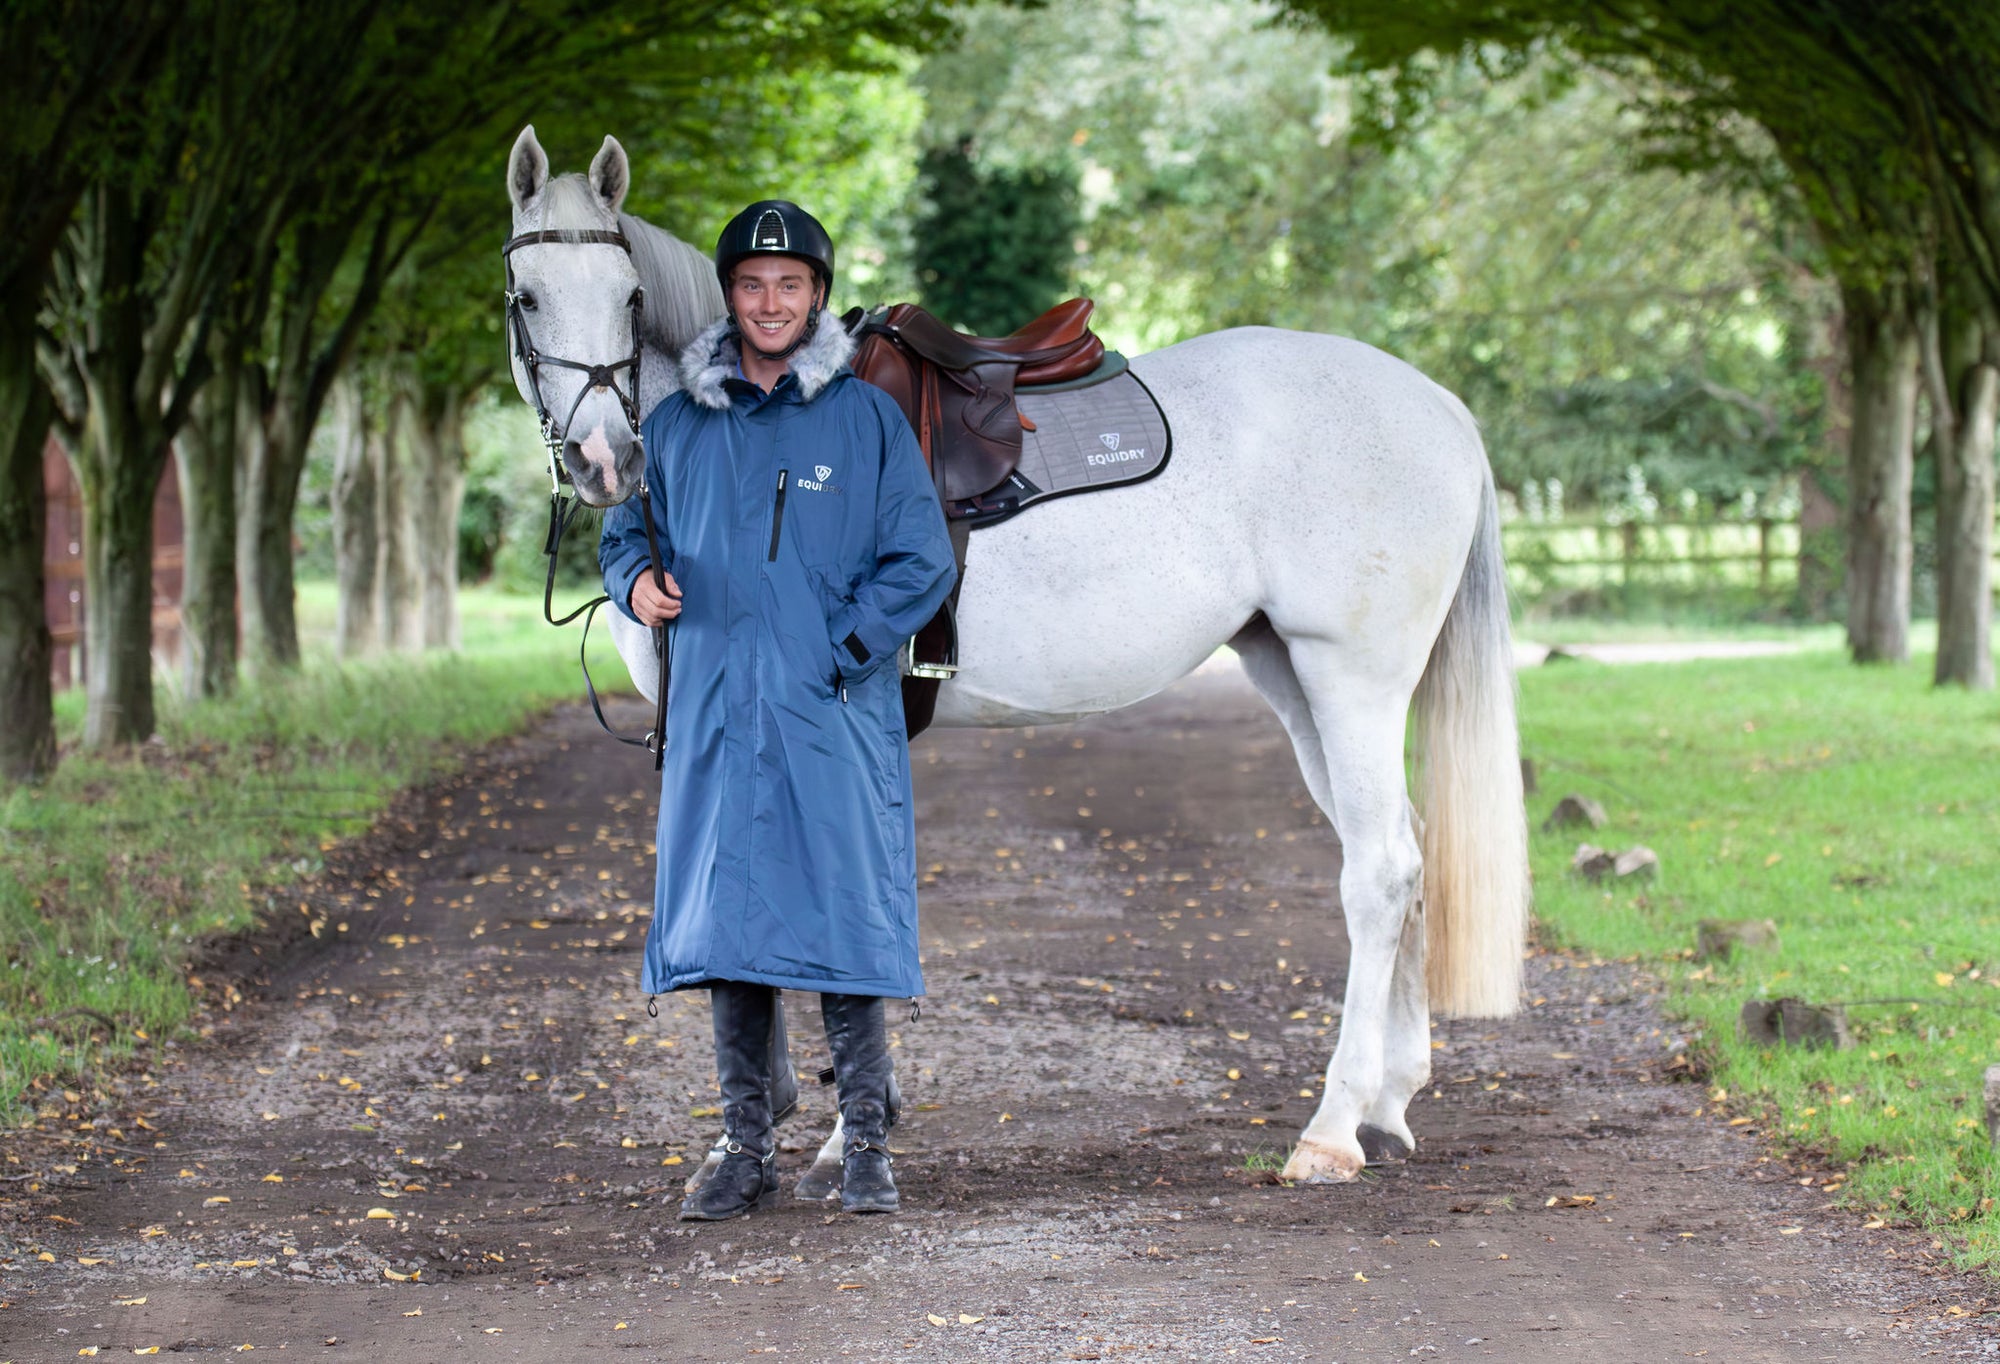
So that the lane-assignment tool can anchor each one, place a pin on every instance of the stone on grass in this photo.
(1592, 863)
(1638, 860)
(1573, 811)
(1715, 939)
(1993, 1106)
(1795, 1023)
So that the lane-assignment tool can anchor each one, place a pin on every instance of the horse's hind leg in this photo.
(1348, 732)
(1406, 1057)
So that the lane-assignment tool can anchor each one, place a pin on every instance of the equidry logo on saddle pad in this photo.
(818, 483)
(1112, 454)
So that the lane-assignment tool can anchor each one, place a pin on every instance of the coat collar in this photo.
(710, 361)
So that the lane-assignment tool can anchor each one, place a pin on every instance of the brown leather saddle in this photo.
(958, 390)
(958, 393)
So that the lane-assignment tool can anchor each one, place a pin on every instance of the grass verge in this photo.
(113, 870)
(1855, 808)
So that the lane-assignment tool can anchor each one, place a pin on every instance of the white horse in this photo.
(1329, 513)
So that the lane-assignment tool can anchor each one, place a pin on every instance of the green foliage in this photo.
(994, 247)
(114, 870)
(1853, 809)
(1594, 309)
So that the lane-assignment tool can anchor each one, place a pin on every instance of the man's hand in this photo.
(652, 606)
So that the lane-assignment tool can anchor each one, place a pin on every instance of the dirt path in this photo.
(1134, 966)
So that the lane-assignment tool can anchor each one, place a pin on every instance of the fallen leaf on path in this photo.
(935, 1319)
(964, 1320)
(389, 1273)
(88, 1350)
(845, 1287)
(1582, 1200)
(215, 1202)
(380, 1215)
(274, 1179)
(128, 1302)
(243, 1264)
(414, 1312)
(90, 1260)
(671, 1160)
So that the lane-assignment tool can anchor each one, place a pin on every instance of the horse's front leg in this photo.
(824, 1179)
(1380, 878)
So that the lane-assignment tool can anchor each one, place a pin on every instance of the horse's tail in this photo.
(1468, 776)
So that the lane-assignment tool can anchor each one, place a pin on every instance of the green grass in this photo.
(113, 870)
(1858, 809)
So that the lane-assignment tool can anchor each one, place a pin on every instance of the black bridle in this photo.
(562, 508)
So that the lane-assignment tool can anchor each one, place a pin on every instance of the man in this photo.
(805, 543)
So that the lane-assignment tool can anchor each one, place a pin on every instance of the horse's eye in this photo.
(526, 300)
(638, 298)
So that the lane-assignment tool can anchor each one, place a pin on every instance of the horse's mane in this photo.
(682, 296)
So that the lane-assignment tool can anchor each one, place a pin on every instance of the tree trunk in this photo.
(1966, 404)
(273, 457)
(27, 717)
(437, 443)
(398, 579)
(119, 484)
(354, 526)
(207, 468)
(1882, 345)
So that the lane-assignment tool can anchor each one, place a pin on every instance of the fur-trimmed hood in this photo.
(711, 359)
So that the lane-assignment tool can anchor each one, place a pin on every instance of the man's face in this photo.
(772, 297)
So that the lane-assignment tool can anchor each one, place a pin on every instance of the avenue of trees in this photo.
(212, 210)
(1693, 243)
(1877, 124)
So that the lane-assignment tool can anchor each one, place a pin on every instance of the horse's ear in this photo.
(610, 173)
(527, 168)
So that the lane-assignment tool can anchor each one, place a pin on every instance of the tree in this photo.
(1884, 119)
(994, 247)
(59, 69)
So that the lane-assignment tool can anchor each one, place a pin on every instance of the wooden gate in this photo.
(62, 559)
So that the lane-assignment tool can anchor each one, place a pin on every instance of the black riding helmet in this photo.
(776, 227)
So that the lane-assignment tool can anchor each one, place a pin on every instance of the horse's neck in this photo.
(682, 296)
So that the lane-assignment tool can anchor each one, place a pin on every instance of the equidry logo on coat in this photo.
(818, 483)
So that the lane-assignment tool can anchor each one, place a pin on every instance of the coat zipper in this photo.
(777, 515)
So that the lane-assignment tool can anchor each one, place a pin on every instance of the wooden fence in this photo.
(1557, 557)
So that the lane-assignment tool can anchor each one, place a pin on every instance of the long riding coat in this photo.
(808, 543)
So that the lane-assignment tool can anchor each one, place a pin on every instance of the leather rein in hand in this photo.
(563, 508)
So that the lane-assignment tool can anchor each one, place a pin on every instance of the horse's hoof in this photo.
(819, 1183)
(1314, 1162)
(701, 1173)
(1380, 1146)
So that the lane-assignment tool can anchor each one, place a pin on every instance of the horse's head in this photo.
(573, 317)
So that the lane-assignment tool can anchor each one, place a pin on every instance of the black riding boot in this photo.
(859, 1040)
(743, 1065)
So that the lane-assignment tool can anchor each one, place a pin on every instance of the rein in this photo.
(562, 508)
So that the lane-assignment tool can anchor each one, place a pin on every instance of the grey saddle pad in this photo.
(1084, 439)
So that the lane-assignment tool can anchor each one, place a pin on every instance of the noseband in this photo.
(561, 510)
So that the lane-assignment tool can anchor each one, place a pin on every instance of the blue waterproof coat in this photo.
(808, 543)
